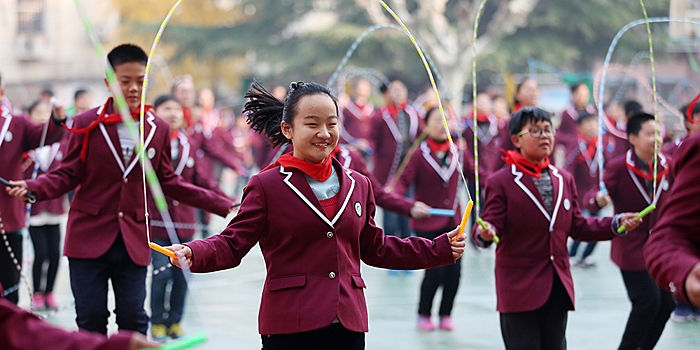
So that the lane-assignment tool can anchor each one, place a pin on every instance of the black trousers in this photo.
(446, 276)
(9, 275)
(541, 329)
(46, 241)
(333, 337)
(651, 308)
(88, 279)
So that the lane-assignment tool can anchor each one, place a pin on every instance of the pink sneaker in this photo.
(51, 302)
(446, 323)
(38, 301)
(424, 323)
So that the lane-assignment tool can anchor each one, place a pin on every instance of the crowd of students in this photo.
(337, 163)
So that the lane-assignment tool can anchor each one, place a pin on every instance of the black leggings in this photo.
(46, 240)
(9, 275)
(334, 337)
(446, 276)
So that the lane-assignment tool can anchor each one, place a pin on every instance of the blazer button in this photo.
(126, 180)
(446, 201)
(331, 275)
(672, 287)
(121, 214)
(551, 257)
(175, 202)
(445, 184)
(329, 234)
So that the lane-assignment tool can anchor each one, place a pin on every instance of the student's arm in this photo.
(673, 250)
(202, 180)
(401, 254)
(591, 228)
(32, 132)
(408, 177)
(387, 200)
(21, 330)
(494, 211)
(221, 154)
(67, 176)
(175, 187)
(225, 250)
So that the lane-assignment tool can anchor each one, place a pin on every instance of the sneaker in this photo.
(424, 323)
(50, 301)
(681, 314)
(586, 263)
(38, 301)
(158, 332)
(174, 331)
(446, 323)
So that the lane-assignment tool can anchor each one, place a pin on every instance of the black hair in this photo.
(527, 115)
(427, 114)
(126, 53)
(575, 87)
(684, 110)
(634, 123)
(79, 93)
(583, 115)
(32, 106)
(632, 107)
(383, 88)
(265, 113)
(163, 99)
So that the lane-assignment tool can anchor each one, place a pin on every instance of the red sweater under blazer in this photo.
(629, 195)
(18, 135)
(110, 197)
(673, 248)
(532, 242)
(313, 261)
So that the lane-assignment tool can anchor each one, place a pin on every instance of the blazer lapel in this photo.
(635, 178)
(135, 158)
(347, 160)
(347, 186)
(184, 145)
(112, 138)
(5, 126)
(432, 160)
(558, 186)
(528, 186)
(297, 182)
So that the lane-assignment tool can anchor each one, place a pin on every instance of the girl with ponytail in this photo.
(314, 221)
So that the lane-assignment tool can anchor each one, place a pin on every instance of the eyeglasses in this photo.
(538, 132)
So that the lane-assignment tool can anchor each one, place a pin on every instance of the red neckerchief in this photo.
(393, 111)
(517, 159)
(436, 146)
(320, 172)
(112, 118)
(187, 113)
(174, 134)
(644, 175)
(691, 108)
(517, 107)
(481, 117)
(591, 148)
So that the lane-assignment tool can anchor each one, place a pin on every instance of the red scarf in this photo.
(481, 117)
(174, 134)
(647, 175)
(436, 146)
(187, 113)
(320, 172)
(520, 162)
(112, 118)
(393, 111)
(591, 149)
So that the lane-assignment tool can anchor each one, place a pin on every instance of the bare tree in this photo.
(448, 36)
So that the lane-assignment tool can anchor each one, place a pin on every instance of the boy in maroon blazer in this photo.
(18, 135)
(105, 234)
(533, 208)
(629, 181)
(672, 251)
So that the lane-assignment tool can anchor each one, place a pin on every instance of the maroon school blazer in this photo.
(110, 199)
(629, 195)
(384, 137)
(18, 135)
(673, 248)
(55, 154)
(532, 241)
(313, 261)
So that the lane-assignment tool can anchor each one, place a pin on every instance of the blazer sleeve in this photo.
(175, 186)
(391, 252)
(225, 250)
(228, 159)
(673, 248)
(592, 228)
(408, 176)
(32, 133)
(21, 330)
(202, 180)
(64, 178)
(495, 208)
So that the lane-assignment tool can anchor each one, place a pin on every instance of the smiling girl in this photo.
(314, 221)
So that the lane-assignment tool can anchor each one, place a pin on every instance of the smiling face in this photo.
(535, 149)
(130, 76)
(315, 129)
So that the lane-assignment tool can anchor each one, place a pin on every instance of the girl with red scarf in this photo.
(533, 208)
(314, 221)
